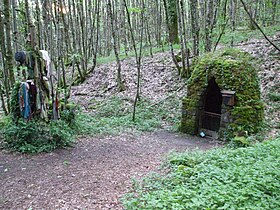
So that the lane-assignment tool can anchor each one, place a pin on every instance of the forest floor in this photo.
(97, 171)
(94, 174)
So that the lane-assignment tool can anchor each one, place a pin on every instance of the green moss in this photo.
(232, 70)
(189, 126)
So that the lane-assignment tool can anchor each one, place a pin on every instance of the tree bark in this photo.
(208, 26)
(119, 78)
(233, 19)
(138, 56)
(9, 52)
(195, 26)
(171, 7)
(3, 52)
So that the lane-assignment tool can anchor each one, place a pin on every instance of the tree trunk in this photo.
(138, 57)
(233, 17)
(170, 42)
(3, 52)
(172, 20)
(15, 28)
(2, 100)
(195, 26)
(119, 78)
(9, 52)
(208, 26)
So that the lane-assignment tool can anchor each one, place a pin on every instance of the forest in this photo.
(139, 104)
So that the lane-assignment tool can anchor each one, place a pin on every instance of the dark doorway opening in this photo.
(211, 115)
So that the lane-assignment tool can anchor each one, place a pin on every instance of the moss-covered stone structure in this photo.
(223, 95)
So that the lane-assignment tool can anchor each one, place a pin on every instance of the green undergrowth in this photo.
(244, 178)
(240, 35)
(146, 53)
(36, 135)
(245, 34)
(114, 116)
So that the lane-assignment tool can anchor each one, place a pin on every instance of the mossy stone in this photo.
(233, 70)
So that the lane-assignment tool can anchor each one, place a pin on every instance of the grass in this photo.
(146, 53)
(244, 178)
(244, 34)
(240, 35)
(114, 116)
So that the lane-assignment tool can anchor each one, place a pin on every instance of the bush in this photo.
(37, 136)
(69, 117)
(245, 178)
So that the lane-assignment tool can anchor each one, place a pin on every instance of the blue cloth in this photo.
(24, 101)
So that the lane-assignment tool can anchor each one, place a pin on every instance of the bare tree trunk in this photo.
(149, 36)
(182, 42)
(9, 52)
(274, 10)
(224, 24)
(195, 26)
(170, 41)
(208, 26)
(3, 52)
(172, 20)
(95, 49)
(233, 17)
(2, 100)
(253, 13)
(119, 78)
(185, 39)
(15, 28)
(138, 57)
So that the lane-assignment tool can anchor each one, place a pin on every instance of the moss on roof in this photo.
(232, 70)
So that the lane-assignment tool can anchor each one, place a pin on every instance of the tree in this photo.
(138, 56)
(9, 52)
(195, 26)
(172, 20)
(116, 50)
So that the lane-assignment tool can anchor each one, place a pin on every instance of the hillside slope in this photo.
(160, 80)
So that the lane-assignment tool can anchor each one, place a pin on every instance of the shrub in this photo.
(36, 136)
(69, 117)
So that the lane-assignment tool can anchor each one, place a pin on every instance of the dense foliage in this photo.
(245, 178)
(37, 136)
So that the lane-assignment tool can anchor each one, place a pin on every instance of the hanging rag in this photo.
(46, 58)
(30, 62)
(43, 107)
(32, 95)
(24, 100)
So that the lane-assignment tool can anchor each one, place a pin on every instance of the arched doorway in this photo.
(211, 114)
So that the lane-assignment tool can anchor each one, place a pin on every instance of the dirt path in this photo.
(92, 175)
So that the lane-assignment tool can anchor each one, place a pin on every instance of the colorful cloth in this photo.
(24, 101)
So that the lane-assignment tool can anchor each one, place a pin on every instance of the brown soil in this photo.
(92, 175)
